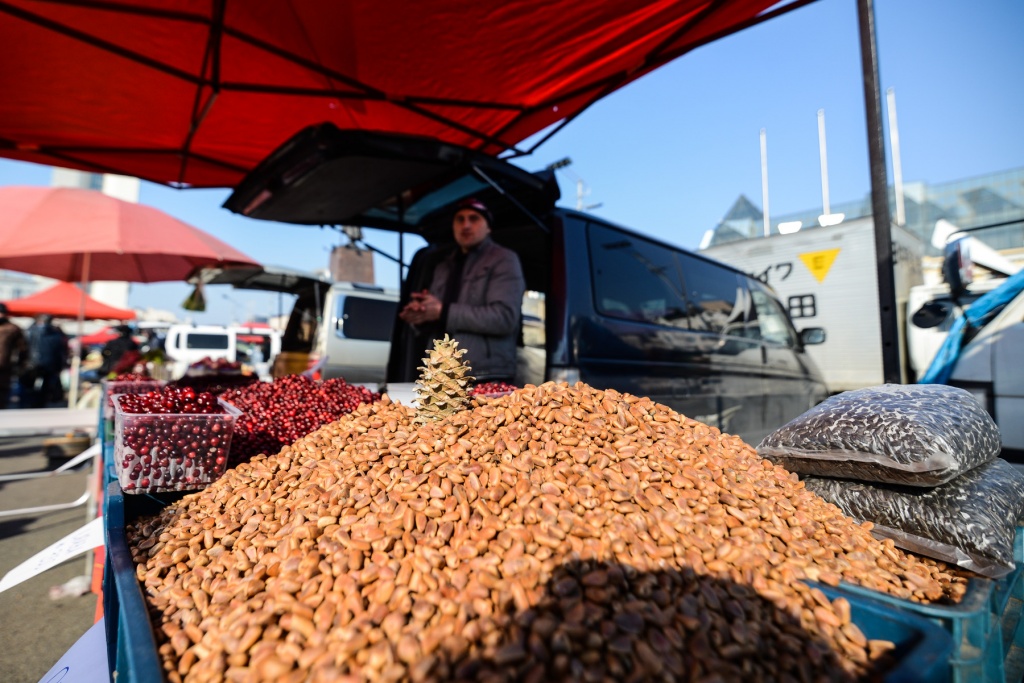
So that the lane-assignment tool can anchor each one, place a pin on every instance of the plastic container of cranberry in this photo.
(127, 386)
(156, 452)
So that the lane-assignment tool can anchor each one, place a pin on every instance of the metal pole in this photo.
(764, 182)
(823, 154)
(76, 358)
(889, 326)
(897, 167)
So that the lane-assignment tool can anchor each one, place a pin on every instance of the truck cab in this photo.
(981, 351)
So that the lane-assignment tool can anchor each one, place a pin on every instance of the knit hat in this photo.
(478, 206)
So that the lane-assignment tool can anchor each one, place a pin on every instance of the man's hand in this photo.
(423, 308)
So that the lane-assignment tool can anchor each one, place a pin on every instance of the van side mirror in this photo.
(812, 335)
(931, 314)
(957, 267)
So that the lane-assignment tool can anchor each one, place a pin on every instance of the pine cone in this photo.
(443, 387)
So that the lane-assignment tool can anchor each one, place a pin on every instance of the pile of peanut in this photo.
(557, 533)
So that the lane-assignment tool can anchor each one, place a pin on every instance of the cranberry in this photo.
(278, 413)
(492, 388)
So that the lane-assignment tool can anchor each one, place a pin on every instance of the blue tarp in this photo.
(977, 315)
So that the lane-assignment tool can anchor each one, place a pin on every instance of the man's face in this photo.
(470, 228)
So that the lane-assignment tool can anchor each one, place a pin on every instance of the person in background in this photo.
(120, 351)
(48, 355)
(475, 296)
(154, 342)
(13, 354)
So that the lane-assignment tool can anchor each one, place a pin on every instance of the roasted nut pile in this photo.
(557, 533)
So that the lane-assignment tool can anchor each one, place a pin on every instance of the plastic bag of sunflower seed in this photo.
(970, 521)
(916, 435)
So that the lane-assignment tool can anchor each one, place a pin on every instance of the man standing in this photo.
(121, 348)
(475, 296)
(48, 354)
(13, 354)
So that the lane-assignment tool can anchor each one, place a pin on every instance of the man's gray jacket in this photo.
(485, 317)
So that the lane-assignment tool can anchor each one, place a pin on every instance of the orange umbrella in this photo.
(64, 300)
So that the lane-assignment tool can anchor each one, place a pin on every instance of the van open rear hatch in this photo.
(327, 176)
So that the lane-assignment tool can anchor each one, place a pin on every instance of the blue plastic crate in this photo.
(923, 648)
(1007, 605)
(131, 646)
(922, 652)
(977, 638)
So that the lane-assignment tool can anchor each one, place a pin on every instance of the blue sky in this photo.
(670, 153)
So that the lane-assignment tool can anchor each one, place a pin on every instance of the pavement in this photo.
(37, 629)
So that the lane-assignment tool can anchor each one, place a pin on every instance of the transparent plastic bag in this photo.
(915, 435)
(970, 522)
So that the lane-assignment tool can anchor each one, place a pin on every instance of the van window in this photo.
(533, 312)
(300, 331)
(635, 279)
(719, 300)
(771, 318)
(254, 345)
(198, 340)
(370, 319)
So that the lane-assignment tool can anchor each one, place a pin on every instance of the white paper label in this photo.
(85, 662)
(88, 537)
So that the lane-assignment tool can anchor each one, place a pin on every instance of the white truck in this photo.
(924, 340)
(827, 278)
(982, 347)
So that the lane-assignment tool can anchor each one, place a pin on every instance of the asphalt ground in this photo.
(36, 629)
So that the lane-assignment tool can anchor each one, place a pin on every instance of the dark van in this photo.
(605, 304)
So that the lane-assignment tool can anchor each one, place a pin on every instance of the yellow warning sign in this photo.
(819, 262)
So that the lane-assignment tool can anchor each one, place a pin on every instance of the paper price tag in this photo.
(88, 537)
(85, 662)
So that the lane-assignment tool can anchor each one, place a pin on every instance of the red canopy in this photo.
(199, 91)
(63, 301)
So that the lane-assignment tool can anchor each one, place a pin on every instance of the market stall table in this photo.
(46, 421)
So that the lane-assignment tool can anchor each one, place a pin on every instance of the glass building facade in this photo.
(994, 202)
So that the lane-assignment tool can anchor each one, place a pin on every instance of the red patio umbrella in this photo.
(72, 234)
(75, 235)
(64, 300)
(199, 91)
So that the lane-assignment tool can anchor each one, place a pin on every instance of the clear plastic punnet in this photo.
(915, 435)
(112, 387)
(156, 452)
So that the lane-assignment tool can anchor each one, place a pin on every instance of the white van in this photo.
(335, 329)
(186, 344)
(349, 331)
